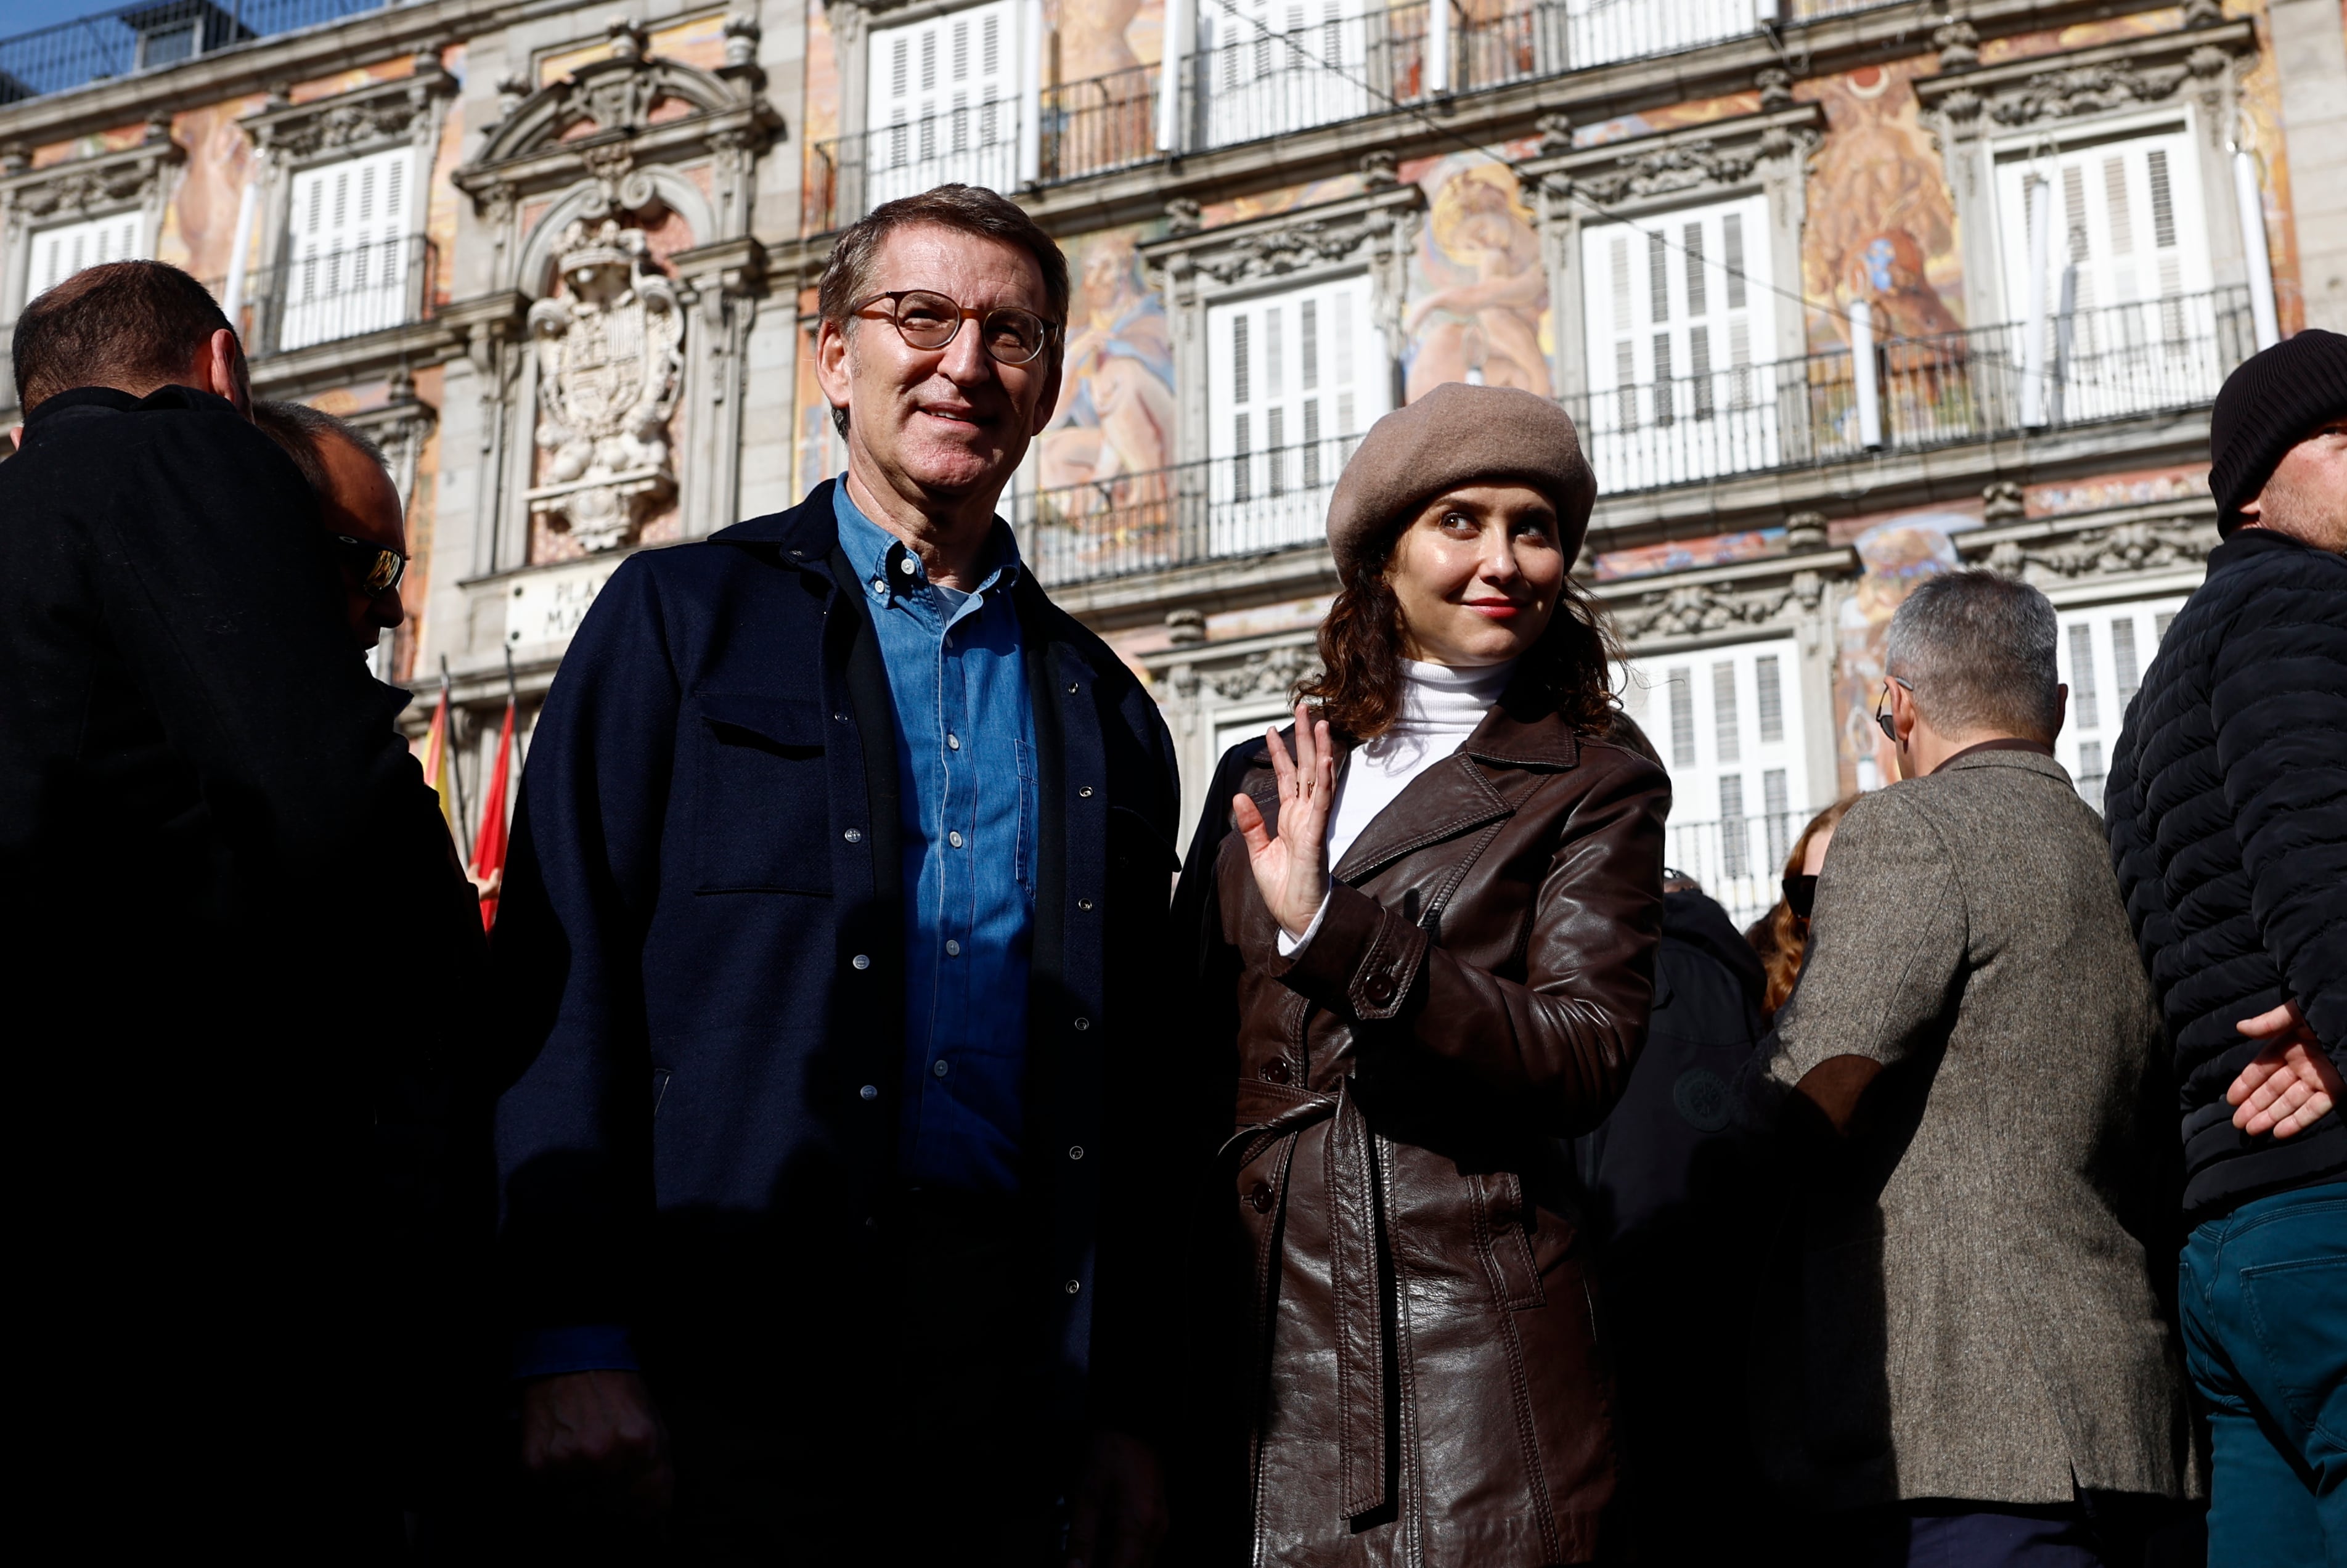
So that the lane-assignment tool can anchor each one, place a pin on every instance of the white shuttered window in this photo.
(1266, 68)
(2101, 655)
(944, 97)
(1295, 379)
(1678, 315)
(59, 252)
(348, 255)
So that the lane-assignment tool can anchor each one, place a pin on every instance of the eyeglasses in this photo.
(928, 321)
(1882, 716)
(377, 569)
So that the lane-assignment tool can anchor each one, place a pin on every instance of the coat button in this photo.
(1074, 1285)
(1083, 1023)
(841, 717)
(1076, 1153)
(942, 1067)
(853, 835)
(1084, 903)
(861, 960)
(1086, 792)
(1071, 687)
(1380, 988)
(1259, 1197)
(869, 1091)
(1276, 1070)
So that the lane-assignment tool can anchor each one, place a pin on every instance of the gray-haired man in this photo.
(1973, 1364)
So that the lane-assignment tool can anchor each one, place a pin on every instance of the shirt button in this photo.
(1083, 1023)
(853, 835)
(906, 565)
(861, 960)
(1076, 1153)
(1259, 1197)
(879, 587)
(953, 839)
(941, 1068)
(869, 1091)
(953, 948)
(953, 743)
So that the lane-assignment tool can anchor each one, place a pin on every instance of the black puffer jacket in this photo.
(2226, 809)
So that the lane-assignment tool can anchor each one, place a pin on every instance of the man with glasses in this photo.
(366, 526)
(216, 860)
(835, 902)
(1968, 1362)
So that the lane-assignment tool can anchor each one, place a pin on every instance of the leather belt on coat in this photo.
(1351, 1172)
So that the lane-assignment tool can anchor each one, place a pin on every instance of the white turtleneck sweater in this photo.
(1441, 707)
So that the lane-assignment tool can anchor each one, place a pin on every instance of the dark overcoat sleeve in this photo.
(581, 880)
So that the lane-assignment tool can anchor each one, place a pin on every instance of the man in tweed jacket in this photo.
(1968, 1361)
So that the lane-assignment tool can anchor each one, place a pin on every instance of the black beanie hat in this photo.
(2268, 406)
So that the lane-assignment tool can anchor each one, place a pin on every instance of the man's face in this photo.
(2307, 496)
(361, 503)
(945, 423)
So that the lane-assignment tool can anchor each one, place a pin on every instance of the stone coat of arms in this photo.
(609, 364)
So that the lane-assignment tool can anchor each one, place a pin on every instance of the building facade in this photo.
(1841, 295)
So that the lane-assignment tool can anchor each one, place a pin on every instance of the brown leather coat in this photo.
(1411, 1362)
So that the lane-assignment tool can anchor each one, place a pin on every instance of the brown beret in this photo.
(1460, 434)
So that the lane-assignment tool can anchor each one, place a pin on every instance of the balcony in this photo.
(978, 144)
(2156, 356)
(150, 37)
(331, 295)
(1739, 860)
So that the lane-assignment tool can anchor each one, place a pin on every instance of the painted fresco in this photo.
(1882, 225)
(441, 194)
(2080, 35)
(2260, 133)
(1116, 401)
(699, 42)
(1088, 38)
(1686, 555)
(1894, 555)
(1477, 307)
(820, 123)
(1287, 199)
(200, 225)
(2105, 491)
(1676, 117)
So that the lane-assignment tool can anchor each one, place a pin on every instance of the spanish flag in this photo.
(436, 759)
(489, 843)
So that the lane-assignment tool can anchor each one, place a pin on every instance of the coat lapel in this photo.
(1480, 783)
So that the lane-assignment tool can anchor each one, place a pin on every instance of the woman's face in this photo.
(1478, 574)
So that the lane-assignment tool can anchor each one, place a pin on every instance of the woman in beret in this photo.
(1426, 919)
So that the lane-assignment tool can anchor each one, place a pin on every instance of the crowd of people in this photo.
(862, 1138)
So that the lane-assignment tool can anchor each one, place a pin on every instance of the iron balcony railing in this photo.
(1739, 860)
(2119, 362)
(332, 295)
(150, 37)
(2116, 362)
(1095, 126)
(976, 144)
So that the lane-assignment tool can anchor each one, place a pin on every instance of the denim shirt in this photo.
(969, 817)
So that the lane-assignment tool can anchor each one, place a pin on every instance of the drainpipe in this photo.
(2250, 203)
(2033, 331)
(246, 205)
(1030, 93)
(1438, 48)
(1174, 56)
(1861, 367)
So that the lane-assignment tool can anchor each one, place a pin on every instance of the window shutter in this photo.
(59, 252)
(942, 97)
(2101, 642)
(346, 266)
(1297, 371)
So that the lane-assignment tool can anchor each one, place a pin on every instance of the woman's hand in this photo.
(1292, 869)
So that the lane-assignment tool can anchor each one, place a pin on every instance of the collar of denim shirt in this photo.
(889, 570)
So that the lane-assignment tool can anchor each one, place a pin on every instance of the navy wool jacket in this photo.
(2226, 812)
(701, 942)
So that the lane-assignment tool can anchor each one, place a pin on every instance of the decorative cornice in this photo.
(1723, 153)
(83, 186)
(2119, 549)
(2137, 73)
(1693, 609)
(1270, 672)
(1309, 238)
(382, 114)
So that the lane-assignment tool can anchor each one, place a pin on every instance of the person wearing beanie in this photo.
(2227, 813)
(1425, 921)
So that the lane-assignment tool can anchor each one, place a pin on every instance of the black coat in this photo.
(2227, 811)
(233, 918)
(707, 840)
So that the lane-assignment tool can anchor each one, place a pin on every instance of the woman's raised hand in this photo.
(1292, 870)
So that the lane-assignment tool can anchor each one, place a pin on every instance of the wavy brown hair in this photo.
(1781, 937)
(1359, 686)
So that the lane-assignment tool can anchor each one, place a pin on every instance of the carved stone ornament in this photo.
(1273, 672)
(2002, 502)
(1670, 168)
(2120, 548)
(2088, 90)
(1805, 531)
(1277, 251)
(1555, 130)
(381, 113)
(77, 191)
(1775, 84)
(1958, 45)
(1183, 216)
(609, 364)
(1696, 608)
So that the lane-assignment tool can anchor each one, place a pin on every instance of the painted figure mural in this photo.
(1880, 224)
(1479, 290)
(1116, 403)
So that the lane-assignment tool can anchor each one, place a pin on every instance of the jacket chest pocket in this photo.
(763, 807)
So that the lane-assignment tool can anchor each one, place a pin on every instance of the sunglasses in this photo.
(1883, 717)
(378, 570)
(928, 321)
(1801, 895)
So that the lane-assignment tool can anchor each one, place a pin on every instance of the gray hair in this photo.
(298, 428)
(1977, 650)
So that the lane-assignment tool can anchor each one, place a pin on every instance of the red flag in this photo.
(489, 843)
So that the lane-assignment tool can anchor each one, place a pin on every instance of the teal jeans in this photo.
(2265, 1334)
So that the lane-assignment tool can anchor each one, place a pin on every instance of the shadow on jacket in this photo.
(1677, 1204)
